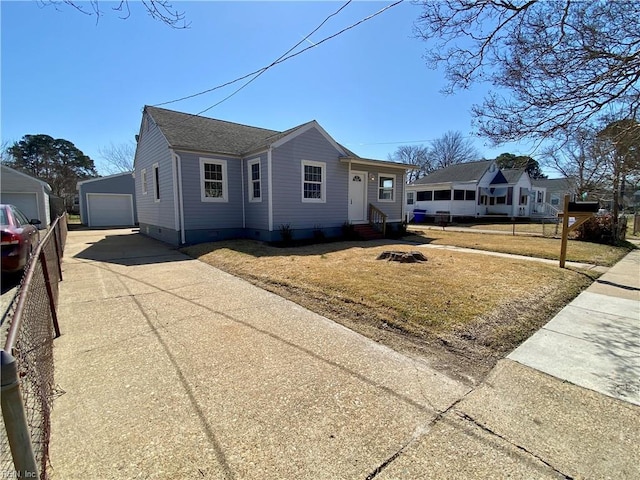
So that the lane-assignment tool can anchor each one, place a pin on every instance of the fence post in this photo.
(15, 420)
(47, 282)
(59, 248)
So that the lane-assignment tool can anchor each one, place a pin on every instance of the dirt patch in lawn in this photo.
(460, 312)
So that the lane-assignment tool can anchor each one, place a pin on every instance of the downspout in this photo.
(178, 197)
(403, 198)
(270, 195)
(244, 218)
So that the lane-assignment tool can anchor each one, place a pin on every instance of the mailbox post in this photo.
(581, 211)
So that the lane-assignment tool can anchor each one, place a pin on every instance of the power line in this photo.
(283, 58)
(260, 71)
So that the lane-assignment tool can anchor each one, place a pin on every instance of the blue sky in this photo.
(68, 77)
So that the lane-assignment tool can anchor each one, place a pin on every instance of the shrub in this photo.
(318, 233)
(286, 233)
(349, 231)
(600, 229)
(398, 231)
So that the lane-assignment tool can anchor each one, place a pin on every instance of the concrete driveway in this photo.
(173, 369)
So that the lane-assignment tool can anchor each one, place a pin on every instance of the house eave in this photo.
(178, 148)
(97, 179)
(374, 163)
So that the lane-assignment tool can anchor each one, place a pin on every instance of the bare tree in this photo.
(620, 146)
(5, 156)
(450, 149)
(415, 155)
(579, 158)
(564, 63)
(118, 158)
(161, 10)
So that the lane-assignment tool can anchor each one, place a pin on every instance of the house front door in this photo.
(357, 196)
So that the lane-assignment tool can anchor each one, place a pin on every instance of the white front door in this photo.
(357, 196)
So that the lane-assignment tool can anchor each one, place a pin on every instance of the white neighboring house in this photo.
(474, 189)
(29, 194)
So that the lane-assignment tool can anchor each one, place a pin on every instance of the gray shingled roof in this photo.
(192, 132)
(460, 172)
(554, 183)
(512, 175)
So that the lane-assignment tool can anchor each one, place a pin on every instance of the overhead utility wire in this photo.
(261, 70)
(285, 57)
(277, 61)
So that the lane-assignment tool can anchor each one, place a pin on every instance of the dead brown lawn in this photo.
(543, 229)
(530, 246)
(462, 311)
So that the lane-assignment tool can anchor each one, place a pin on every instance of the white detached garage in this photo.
(108, 201)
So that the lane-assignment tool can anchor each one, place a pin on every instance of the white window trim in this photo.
(143, 179)
(323, 184)
(413, 198)
(250, 163)
(156, 179)
(393, 189)
(225, 189)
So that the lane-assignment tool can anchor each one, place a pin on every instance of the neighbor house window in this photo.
(523, 196)
(410, 198)
(313, 181)
(255, 187)
(213, 180)
(386, 188)
(425, 196)
(458, 194)
(156, 182)
(470, 195)
(442, 195)
(143, 180)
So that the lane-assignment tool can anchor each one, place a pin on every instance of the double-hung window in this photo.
(313, 181)
(255, 184)
(156, 182)
(386, 188)
(143, 180)
(411, 198)
(213, 180)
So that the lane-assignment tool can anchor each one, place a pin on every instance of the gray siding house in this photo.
(108, 201)
(199, 179)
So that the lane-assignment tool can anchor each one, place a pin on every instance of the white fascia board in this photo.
(205, 153)
(375, 163)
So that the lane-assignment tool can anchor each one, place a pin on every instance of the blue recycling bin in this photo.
(419, 215)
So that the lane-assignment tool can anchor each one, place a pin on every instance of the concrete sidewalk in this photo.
(174, 369)
(594, 341)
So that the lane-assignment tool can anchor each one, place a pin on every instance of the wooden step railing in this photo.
(377, 219)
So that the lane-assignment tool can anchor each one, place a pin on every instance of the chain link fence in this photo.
(33, 325)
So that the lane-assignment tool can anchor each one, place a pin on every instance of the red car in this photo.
(20, 236)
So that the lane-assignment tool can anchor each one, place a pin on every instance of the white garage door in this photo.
(27, 203)
(109, 210)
